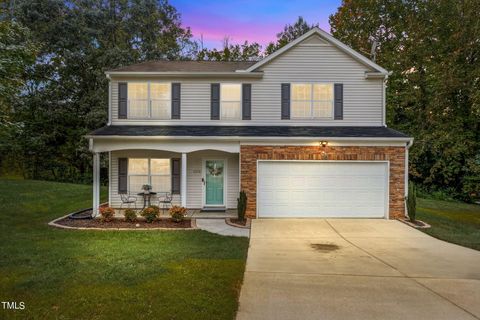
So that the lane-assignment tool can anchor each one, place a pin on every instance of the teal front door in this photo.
(214, 180)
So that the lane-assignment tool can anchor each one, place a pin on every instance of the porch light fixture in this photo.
(324, 143)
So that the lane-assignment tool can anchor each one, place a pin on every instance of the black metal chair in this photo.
(128, 200)
(165, 201)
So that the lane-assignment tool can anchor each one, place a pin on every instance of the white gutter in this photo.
(409, 144)
(109, 101)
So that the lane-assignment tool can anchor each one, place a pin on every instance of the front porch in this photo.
(195, 175)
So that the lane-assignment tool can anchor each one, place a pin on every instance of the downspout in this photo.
(409, 144)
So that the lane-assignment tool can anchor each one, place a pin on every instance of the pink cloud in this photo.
(214, 28)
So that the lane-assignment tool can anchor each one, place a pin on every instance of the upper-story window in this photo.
(312, 100)
(149, 100)
(230, 101)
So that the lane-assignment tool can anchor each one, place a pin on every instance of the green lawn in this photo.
(65, 274)
(454, 222)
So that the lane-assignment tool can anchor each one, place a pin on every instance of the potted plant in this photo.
(177, 213)
(146, 188)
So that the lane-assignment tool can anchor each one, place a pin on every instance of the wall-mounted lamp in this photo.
(324, 143)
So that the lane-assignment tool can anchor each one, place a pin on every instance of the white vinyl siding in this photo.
(194, 175)
(308, 62)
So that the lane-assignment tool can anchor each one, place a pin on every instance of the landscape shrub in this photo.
(150, 214)
(130, 215)
(177, 213)
(107, 213)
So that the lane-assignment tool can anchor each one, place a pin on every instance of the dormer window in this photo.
(312, 101)
(149, 100)
(230, 101)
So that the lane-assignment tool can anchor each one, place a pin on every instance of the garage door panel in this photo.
(322, 189)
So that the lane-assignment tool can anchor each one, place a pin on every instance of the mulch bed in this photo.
(238, 221)
(235, 222)
(120, 223)
(417, 224)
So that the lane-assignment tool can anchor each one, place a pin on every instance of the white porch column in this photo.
(183, 180)
(96, 183)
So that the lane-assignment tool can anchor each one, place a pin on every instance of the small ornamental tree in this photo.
(242, 205)
(411, 200)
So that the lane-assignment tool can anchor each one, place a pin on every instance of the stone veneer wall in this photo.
(396, 155)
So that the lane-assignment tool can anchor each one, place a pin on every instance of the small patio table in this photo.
(146, 198)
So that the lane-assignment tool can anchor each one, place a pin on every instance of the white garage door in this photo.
(338, 189)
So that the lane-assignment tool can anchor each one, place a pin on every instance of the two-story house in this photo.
(302, 132)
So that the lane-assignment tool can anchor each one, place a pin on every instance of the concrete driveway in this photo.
(356, 269)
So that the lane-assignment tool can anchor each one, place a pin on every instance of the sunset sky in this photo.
(255, 21)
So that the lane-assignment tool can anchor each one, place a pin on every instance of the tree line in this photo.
(53, 89)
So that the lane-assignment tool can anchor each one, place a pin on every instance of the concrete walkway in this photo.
(356, 269)
(219, 226)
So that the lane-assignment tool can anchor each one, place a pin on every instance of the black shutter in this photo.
(176, 176)
(215, 101)
(338, 101)
(246, 101)
(176, 100)
(122, 175)
(122, 100)
(285, 101)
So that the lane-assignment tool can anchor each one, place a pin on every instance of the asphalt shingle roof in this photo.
(186, 66)
(248, 131)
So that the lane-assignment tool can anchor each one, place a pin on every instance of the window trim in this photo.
(312, 101)
(149, 174)
(149, 100)
(239, 101)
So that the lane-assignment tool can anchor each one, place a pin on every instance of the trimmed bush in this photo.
(177, 213)
(156, 208)
(107, 213)
(242, 205)
(412, 202)
(150, 214)
(130, 215)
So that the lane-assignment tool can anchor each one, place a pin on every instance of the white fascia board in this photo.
(375, 75)
(326, 36)
(251, 139)
(186, 74)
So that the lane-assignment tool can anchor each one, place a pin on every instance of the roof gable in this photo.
(317, 35)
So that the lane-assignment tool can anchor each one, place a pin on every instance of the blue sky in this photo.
(255, 21)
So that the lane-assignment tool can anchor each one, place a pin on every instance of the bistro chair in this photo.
(128, 200)
(165, 201)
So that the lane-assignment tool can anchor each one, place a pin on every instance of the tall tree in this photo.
(17, 53)
(67, 92)
(290, 32)
(432, 49)
(231, 52)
